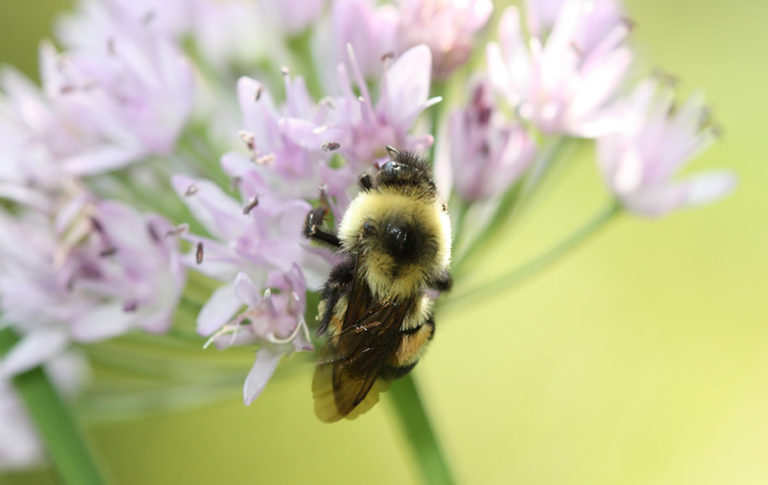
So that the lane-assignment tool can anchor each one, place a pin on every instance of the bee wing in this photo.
(346, 381)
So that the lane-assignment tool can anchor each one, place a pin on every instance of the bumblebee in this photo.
(376, 309)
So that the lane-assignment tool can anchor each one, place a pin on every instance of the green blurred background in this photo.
(640, 359)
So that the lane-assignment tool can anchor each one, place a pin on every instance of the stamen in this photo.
(191, 190)
(130, 306)
(153, 232)
(328, 102)
(106, 252)
(148, 17)
(248, 138)
(257, 94)
(250, 205)
(330, 146)
(268, 159)
(180, 229)
(199, 253)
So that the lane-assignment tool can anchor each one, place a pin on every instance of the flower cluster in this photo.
(171, 137)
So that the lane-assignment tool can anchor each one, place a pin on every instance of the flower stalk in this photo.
(544, 260)
(65, 443)
(417, 428)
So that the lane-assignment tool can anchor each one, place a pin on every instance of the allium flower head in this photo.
(117, 97)
(403, 95)
(488, 151)
(293, 16)
(94, 270)
(639, 161)
(258, 253)
(563, 83)
(369, 29)
(447, 27)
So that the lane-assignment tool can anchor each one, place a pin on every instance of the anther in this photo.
(250, 205)
(247, 137)
(330, 146)
(199, 253)
(191, 190)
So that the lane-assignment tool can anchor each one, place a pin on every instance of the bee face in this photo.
(402, 240)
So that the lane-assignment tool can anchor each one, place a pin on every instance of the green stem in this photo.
(58, 428)
(414, 421)
(543, 260)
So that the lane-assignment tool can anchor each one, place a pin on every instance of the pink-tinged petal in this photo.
(407, 85)
(599, 83)
(264, 366)
(542, 14)
(102, 323)
(246, 290)
(211, 206)
(32, 350)
(218, 310)
(706, 187)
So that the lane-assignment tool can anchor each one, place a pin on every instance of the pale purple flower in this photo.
(95, 19)
(292, 16)
(94, 270)
(296, 142)
(289, 140)
(370, 30)
(121, 97)
(541, 15)
(658, 139)
(258, 252)
(447, 27)
(403, 95)
(20, 445)
(488, 151)
(250, 36)
(563, 83)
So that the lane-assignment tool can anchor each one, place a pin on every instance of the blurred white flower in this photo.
(563, 83)
(657, 140)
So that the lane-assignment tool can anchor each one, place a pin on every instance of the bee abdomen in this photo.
(413, 342)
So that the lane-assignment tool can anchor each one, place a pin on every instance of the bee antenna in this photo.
(393, 152)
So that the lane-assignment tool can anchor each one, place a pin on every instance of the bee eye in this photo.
(391, 166)
(368, 228)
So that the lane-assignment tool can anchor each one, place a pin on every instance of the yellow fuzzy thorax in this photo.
(410, 205)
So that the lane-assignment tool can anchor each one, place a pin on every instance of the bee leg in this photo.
(442, 282)
(338, 283)
(366, 183)
(313, 228)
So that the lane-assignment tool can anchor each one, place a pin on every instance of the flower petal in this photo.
(33, 349)
(264, 366)
(218, 310)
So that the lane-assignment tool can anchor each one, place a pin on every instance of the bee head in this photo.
(403, 170)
